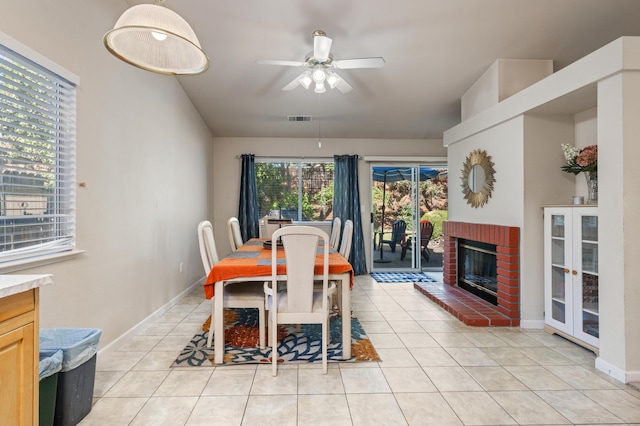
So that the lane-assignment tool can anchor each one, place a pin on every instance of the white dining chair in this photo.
(240, 295)
(345, 241)
(335, 232)
(267, 229)
(298, 303)
(235, 236)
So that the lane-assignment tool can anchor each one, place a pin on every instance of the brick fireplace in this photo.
(468, 307)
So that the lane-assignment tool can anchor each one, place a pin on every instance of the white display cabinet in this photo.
(571, 273)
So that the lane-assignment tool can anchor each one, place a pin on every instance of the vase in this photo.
(592, 187)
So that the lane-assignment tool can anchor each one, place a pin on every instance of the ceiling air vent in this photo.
(298, 118)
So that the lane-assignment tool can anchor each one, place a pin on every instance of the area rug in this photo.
(401, 277)
(303, 345)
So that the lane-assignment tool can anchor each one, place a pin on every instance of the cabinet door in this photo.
(585, 285)
(17, 378)
(558, 278)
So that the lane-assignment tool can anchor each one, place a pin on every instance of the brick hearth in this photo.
(467, 307)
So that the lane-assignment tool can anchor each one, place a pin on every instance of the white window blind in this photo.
(37, 159)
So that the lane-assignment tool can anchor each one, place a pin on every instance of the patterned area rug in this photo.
(241, 342)
(401, 277)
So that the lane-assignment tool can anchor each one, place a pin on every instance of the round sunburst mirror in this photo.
(477, 178)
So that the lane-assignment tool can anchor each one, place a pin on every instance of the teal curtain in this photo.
(346, 205)
(248, 214)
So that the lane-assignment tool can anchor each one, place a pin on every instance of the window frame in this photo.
(299, 161)
(40, 254)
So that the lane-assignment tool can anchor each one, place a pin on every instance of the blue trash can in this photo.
(76, 378)
(49, 367)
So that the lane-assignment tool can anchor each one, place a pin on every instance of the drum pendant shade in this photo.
(155, 38)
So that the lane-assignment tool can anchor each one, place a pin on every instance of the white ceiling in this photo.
(434, 51)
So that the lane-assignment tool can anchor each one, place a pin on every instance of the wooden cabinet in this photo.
(571, 273)
(19, 358)
(19, 348)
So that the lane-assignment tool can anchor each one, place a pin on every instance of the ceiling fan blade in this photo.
(343, 86)
(277, 62)
(345, 64)
(321, 47)
(294, 83)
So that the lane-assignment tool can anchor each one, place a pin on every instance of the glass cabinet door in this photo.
(587, 315)
(557, 311)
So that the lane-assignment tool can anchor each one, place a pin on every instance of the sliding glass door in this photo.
(405, 197)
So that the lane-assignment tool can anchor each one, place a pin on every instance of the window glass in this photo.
(37, 159)
(298, 190)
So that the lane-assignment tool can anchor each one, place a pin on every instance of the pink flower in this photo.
(588, 156)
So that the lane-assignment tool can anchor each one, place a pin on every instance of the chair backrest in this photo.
(426, 230)
(267, 229)
(398, 230)
(347, 236)
(235, 236)
(300, 248)
(208, 250)
(335, 232)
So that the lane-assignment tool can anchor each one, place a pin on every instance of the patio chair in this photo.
(299, 303)
(398, 234)
(426, 230)
(240, 295)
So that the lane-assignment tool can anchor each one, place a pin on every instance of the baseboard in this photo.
(532, 324)
(111, 347)
(617, 373)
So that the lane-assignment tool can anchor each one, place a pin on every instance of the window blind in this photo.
(37, 159)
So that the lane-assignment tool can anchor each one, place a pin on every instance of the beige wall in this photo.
(226, 167)
(142, 151)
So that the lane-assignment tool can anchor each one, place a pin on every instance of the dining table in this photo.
(252, 262)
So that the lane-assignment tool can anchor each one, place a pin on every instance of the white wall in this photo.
(227, 168)
(504, 144)
(143, 152)
(544, 183)
(619, 228)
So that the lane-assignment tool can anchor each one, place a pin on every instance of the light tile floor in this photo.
(434, 371)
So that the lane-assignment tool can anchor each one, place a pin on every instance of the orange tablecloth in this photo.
(253, 260)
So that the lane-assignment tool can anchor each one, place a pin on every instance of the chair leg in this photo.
(325, 338)
(261, 325)
(274, 346)
(211, 328)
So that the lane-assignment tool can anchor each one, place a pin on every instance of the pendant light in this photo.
(155, 38)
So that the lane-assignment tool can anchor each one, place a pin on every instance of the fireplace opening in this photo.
(477, 269)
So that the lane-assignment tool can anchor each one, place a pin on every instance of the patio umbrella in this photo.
(396, 174)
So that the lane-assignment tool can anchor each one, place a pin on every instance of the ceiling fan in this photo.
(320, 66)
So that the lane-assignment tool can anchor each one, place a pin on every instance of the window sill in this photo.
(34, 262)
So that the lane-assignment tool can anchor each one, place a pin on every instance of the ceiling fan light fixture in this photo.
(155, 38)
(306, 80)
(318, 75)
(320, 88)
(333, 80)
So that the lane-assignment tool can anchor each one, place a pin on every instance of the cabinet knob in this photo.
(574, 272)
(566, 271)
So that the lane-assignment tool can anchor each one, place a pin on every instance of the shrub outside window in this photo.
(299, 190)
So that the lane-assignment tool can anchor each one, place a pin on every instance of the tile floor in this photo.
(434, 371)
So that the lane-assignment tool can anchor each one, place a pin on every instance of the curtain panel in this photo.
(248, 214)
(346, 205)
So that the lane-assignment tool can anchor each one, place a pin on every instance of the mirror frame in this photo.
(480, 198)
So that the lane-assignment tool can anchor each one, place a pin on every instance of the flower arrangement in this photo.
(580, 160)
